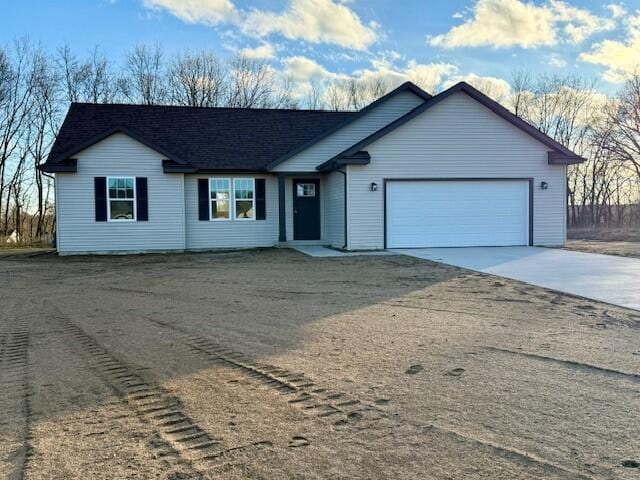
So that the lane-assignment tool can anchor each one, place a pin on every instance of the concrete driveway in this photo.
(606, 278)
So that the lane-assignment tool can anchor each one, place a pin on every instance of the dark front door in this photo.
(306, 209)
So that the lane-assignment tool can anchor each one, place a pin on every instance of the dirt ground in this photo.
(623, 249)
(272, 365)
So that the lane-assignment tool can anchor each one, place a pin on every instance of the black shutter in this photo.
(100, 195)
(203, 199)
(142, 199)
(261, 204)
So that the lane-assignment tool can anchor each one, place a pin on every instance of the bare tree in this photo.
(197, 80)
(145, 78)
(16, 96)
(249, 83)
(91, 80)
(625, 115)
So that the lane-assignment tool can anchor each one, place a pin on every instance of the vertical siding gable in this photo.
(377, 118)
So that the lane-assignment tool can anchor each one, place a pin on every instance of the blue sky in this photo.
(433, 42)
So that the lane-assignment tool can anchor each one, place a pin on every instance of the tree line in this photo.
(37, 85)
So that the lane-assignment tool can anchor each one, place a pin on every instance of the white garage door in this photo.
(457, 213)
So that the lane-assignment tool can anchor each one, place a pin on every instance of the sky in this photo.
(436, 43)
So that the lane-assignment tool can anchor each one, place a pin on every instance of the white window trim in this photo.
(211, 200)
(253, 199)
(135, 195)
(232, 200)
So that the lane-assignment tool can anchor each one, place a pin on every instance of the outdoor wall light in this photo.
(374, 186)
(544, 185)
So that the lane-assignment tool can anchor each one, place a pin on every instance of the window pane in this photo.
(220, 209)
(219, 195)
(244, 209)
(121, 210)
(306, 190)
(243, 188)
(121, 188)
(220, 188)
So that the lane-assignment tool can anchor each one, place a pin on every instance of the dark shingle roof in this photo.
(204, 138)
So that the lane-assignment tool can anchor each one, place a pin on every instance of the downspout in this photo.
(344, 247)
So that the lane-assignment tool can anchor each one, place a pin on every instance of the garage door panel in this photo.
(457, 213)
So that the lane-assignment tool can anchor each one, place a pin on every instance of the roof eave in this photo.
(69, 165)
(555, 158)
(169, 166)
(358, 158)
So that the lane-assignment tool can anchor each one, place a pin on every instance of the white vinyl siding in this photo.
(204, 235)
(119, 156)
(334, 209)
(372, 121)
(458, 137)
(453, 213)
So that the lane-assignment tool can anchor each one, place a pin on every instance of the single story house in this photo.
(409, 170)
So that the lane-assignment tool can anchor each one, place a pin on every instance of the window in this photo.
(220, 194)
(244, 201)
(306, 190)
(122, 199)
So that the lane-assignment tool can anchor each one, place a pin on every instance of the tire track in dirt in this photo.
(15, 401)
(345, 410)
(178, 435)
(337, 407)
(609, 372)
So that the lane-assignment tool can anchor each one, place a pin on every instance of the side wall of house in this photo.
(334, 196)
(119, 156)
(456, 138)
(203, 235)
(327, 148)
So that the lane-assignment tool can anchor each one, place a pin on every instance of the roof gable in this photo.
(560, 155)
(405, 87)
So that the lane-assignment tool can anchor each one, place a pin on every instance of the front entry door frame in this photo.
(306, 210)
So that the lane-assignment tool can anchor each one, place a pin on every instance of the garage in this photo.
(458, 213)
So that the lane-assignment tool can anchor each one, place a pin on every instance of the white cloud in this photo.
(509, 23)
(579, 24)
(617, 10)
(496, 88)
(302, 69)
(208, 12)
(316, 21)
(622, 58)
(501, 23)
(266, 51)
(304, 72)
(556, 60)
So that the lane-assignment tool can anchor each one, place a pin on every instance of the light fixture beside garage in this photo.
(544, 185)
(373, 187)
